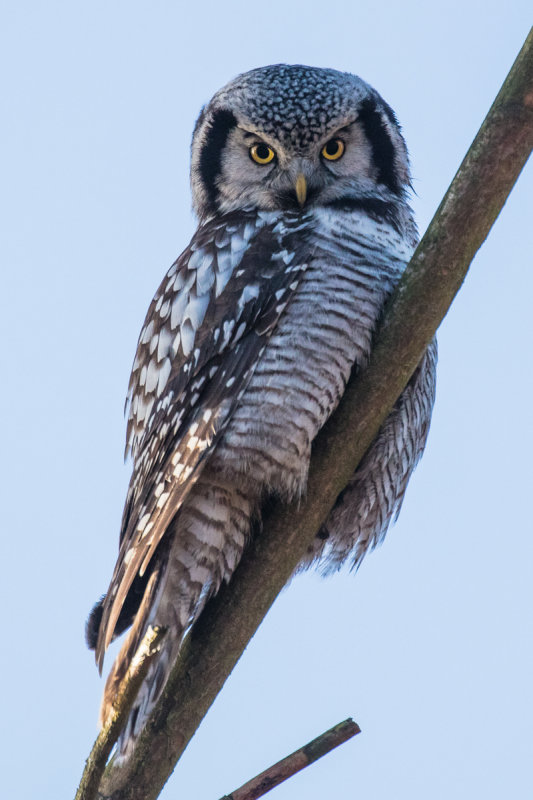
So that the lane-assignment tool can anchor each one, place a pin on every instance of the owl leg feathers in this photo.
(364, 510)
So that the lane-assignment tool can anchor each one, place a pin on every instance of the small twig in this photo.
(106, 739)
(292, 764)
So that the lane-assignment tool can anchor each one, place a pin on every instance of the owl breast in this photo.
(325, 332)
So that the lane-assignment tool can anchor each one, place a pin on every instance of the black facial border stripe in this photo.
(221, 125)
(381, 144)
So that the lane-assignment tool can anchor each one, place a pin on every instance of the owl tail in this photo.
(160, 606)
(206, 541)
(128, 650)
(147, 696)
(155, 679)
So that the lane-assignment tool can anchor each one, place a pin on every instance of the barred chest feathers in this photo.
(326, 330)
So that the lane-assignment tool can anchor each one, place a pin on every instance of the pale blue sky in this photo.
(429, 646)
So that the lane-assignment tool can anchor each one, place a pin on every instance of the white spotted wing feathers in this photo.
(201, 339)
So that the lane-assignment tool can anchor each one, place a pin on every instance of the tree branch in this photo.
(431, 280)
(292, 764)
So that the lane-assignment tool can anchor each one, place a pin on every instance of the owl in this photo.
(299, 180)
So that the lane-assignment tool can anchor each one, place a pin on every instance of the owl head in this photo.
(284, 136)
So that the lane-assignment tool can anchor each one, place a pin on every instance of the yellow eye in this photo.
(333, 150)
(262, 153)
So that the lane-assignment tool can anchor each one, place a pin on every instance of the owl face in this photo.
(289, 137)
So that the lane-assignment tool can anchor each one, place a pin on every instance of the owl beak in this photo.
(301, 188)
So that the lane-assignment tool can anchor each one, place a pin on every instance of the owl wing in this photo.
(203, 334)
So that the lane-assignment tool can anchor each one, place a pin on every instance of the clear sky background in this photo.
(429, 646)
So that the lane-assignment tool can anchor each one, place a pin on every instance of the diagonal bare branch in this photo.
(292, 764)
(433, 277)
